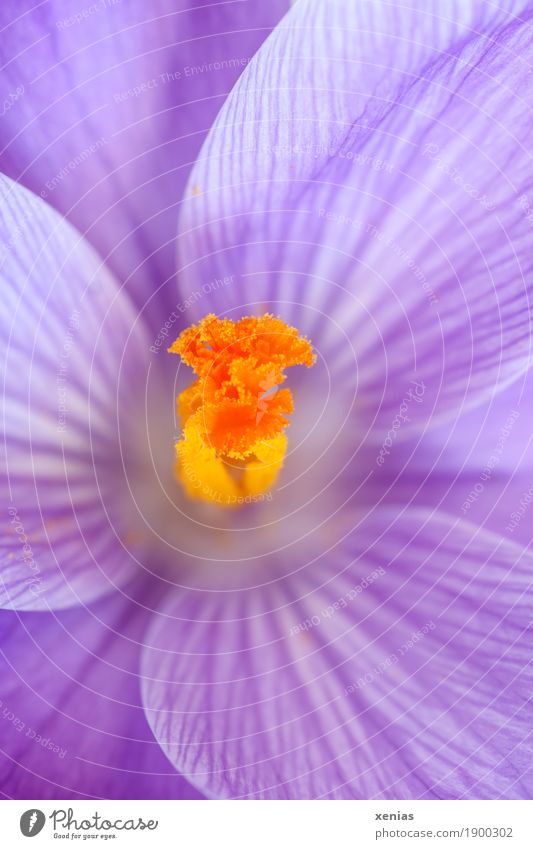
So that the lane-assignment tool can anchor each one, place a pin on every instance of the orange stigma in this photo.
(234, 416)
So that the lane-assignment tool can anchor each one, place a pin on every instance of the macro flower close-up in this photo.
(266, 349)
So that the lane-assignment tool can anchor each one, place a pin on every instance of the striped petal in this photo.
(104, 107)
(71, 348)
(394, 667)
(479, 467)
(370, 179)
(72, 724)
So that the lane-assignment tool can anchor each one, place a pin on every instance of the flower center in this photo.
(234, 416)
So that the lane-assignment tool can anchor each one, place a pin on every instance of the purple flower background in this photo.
(363, 170)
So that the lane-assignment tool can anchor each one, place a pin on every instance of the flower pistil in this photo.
(234, 415)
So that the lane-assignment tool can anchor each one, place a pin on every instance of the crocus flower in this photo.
(361, 628)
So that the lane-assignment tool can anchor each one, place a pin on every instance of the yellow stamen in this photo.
(234, 415)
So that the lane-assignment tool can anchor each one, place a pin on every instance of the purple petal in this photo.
(388, 215)
(479, 467)
(105, 108)
(72, 724)
(71, 350)
(395, 668)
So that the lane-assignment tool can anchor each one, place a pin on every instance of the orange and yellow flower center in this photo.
(234, 416)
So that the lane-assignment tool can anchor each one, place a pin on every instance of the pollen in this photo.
(235, 414)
